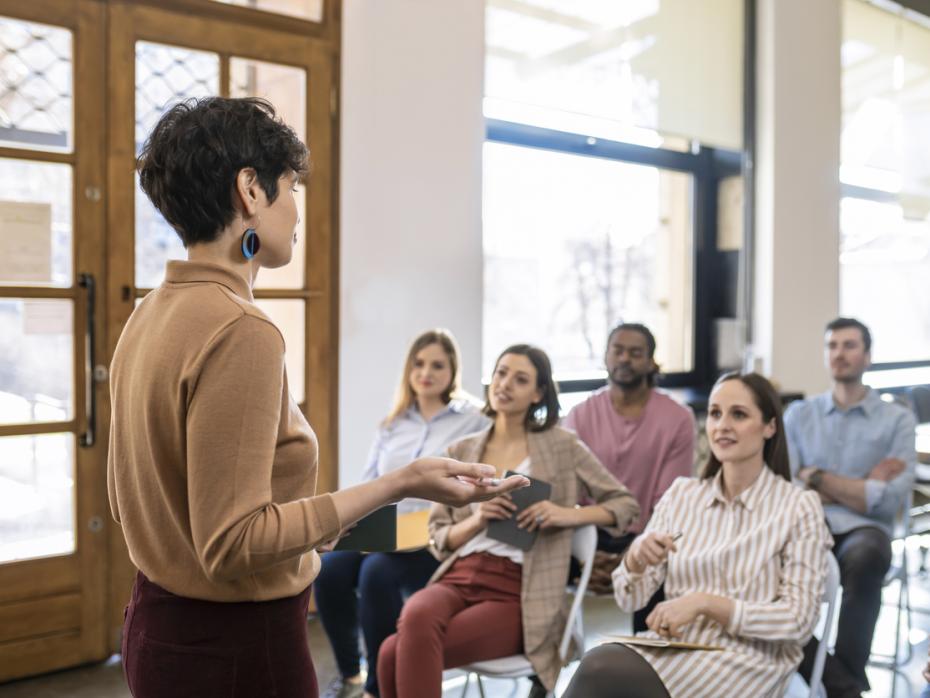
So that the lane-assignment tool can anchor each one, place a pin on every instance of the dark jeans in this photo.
(188, 648)
(864, 555)
(366, 591)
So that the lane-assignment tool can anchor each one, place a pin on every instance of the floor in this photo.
(105, 680)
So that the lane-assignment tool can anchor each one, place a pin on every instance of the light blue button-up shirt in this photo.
(410, 437)
(850, 443)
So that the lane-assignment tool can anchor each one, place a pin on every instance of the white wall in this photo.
(797, 192)
(410, 210)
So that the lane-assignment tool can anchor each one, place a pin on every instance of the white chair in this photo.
(584, 544)
(830, 590)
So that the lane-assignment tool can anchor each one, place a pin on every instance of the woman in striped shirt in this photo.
(742, 553)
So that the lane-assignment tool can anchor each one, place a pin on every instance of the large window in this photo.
(885, 211)
(572, 244)
(610, 129)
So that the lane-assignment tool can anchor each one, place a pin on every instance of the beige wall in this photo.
(797, 193)
(411, 257)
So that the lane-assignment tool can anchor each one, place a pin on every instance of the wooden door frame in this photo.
(65, 610)
(78, 599)
(231, 30)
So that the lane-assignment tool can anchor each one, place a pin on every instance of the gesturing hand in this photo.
(650, 549)
(454, 483)
(670, 617)
(545, 514)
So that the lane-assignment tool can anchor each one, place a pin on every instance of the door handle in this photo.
(89, 437)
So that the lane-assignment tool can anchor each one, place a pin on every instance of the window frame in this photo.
(854, 191)
(708, 166)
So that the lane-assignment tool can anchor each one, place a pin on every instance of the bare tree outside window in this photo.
(574, 245)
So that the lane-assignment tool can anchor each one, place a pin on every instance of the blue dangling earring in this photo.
(250, 243)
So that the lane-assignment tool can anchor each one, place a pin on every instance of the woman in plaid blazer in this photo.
(489, 599)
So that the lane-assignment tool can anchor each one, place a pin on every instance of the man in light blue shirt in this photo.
(858, 453)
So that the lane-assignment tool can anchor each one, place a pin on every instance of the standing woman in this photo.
(489, 599)
(356, 590)
(212, 467)
(746, 575)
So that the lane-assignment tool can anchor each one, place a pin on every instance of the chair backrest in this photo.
(584, 545)
(830, 590)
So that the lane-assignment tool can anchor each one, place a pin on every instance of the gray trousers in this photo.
(615, 671)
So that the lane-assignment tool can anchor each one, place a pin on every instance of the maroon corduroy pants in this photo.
(176, 647)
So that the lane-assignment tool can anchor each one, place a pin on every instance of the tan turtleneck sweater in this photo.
(212, 467)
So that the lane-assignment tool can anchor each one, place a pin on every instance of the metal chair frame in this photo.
(584, 544)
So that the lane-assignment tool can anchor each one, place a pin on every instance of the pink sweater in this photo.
(644, 454)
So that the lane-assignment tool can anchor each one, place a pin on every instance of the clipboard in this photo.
(657, 643)
(375, 533)
(506, 530)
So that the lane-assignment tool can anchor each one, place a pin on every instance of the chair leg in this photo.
(480, 685)
(908, 649)
(465, 685)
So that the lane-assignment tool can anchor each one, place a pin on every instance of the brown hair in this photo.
(541, 415)
(841, 323)
(775, 452)
(404, 396)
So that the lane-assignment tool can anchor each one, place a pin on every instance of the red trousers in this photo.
(471, 614)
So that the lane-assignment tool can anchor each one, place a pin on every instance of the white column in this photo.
(410, 234)
(796, 288)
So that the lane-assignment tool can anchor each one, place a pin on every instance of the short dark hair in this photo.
(189, 163)
(841, 323)
(650, 343)
(636, 327)
(775, 451)
(544, 414)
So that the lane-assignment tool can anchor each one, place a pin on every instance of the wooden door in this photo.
(81, 84)
(53, 403)
(160, 54)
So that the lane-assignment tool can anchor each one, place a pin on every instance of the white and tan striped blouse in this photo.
(766, 550)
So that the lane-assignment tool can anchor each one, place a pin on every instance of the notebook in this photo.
(375, 533)
(661, 644)
(506, 530)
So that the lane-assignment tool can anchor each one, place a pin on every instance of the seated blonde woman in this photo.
(742, 553)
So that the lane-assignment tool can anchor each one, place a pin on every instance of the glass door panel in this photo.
(36, 361)
(36, 105)
(165, 75)
(36, 496)
(282, 85)
(304, 9)
(35, 223)
(286, 88)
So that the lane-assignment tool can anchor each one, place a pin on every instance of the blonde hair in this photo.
(404, 397)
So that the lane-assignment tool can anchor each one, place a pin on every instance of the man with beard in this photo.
(641, 435)
(858, 453)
